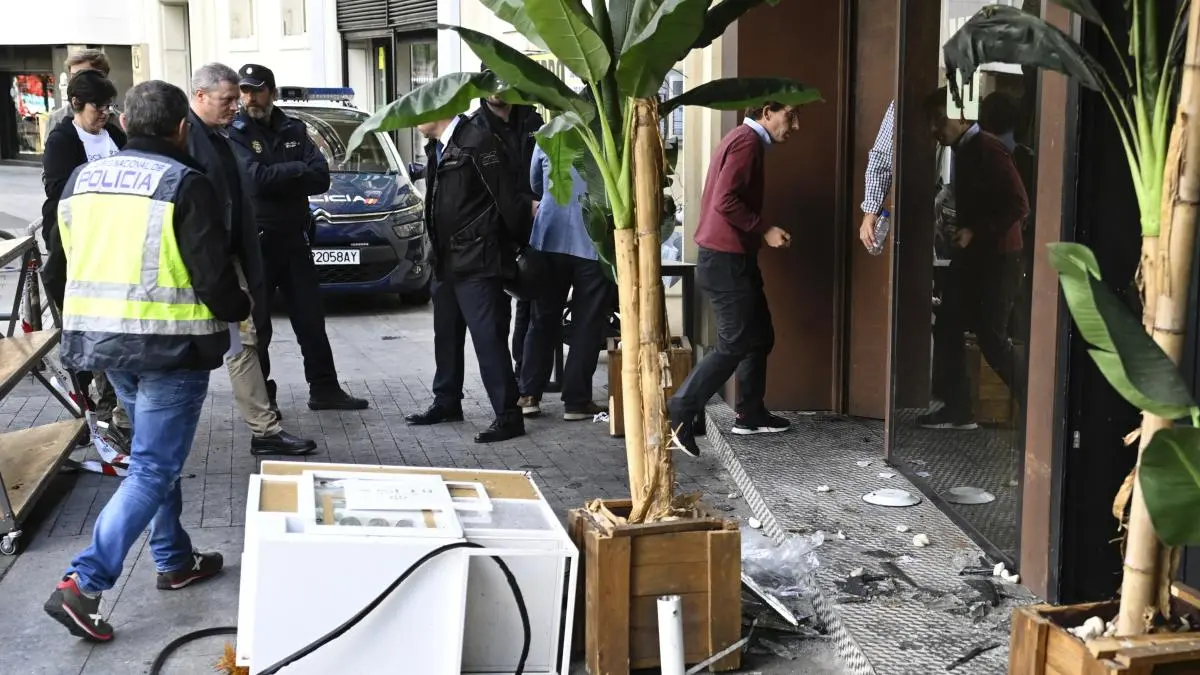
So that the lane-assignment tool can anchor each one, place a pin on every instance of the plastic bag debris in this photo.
(783, 571)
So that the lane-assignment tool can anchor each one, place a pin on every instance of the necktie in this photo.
(439, 149)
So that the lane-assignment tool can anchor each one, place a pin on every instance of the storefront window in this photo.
(958, 416)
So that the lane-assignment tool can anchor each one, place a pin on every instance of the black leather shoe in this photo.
(335, 399)
(435, 414)
(502, 430)
(281, 443)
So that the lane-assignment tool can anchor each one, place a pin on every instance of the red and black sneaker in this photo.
(78, 612)
(203, 566)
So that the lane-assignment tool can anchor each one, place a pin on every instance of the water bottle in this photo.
(883, 224)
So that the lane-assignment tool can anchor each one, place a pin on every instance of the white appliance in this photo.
(323, 540)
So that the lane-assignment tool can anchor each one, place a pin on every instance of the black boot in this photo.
(334, 398)
(504, 428)
(435, 414)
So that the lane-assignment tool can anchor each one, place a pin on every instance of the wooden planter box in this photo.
(628, 567)
(1041, 644)
(681, 365)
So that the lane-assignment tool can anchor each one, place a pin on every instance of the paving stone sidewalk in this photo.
(384, 353)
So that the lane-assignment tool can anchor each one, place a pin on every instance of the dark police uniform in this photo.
(283, 167)
(477, 219)
(516, 136)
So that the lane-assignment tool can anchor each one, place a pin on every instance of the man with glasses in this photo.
(214, 104)
(730, 232)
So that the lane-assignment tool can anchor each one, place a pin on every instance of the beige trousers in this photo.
(249, 385)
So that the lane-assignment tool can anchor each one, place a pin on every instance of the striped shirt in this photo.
(879, 164)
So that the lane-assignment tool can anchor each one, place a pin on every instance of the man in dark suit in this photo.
(476, 220)
(213, 106)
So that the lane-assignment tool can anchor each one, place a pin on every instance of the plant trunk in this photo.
(625, 243)
(653, 360)
(1166, 274)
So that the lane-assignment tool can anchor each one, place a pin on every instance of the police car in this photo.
(370, 225)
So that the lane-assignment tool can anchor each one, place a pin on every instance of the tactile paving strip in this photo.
(896, 631)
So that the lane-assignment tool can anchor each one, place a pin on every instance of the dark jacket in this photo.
(202, 146)
(478, 217)
(283, 168)
(517, 140)
(731, 204)
(988, 194)
(203, 246)
(63, 154)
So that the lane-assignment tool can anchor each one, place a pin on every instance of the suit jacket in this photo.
(201, 147)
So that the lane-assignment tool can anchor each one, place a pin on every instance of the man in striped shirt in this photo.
(878, 178)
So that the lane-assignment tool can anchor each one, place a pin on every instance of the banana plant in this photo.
(622, 50)
(1137, 358)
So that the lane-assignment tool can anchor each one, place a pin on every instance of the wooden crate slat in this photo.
(675, 547)
(725, 594)
(656, 580)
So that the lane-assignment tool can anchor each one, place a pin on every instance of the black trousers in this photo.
(520, 333)
(979, 296)
(481, 306)
(745, 335)
(589, 309)
(288, 267)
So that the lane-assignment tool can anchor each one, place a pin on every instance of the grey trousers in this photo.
(249, 383)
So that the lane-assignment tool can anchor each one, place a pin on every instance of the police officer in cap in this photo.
(476, 219)
(283, 168)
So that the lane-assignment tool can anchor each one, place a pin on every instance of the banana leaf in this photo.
(567, 30)
(720, 17)
(513, 12)
(561, 140)
(659, 33)
(739, 93)
(1129, 358)
(1169, 474)
(1002, 34)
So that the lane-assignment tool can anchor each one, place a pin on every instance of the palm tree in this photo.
(622, 50)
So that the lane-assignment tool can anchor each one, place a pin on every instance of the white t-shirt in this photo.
(97, 146)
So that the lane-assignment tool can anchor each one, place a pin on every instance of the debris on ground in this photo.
(857, 572)
(734, 495)
(920, 541)
(863, 463)
(887, 474)
(782, 574)
(823, 488)
(971, 655)
(841, 535)
(754, 523)
(902, 528)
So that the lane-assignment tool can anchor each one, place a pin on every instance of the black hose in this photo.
(332, 635)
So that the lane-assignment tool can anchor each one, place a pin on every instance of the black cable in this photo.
(332, 635)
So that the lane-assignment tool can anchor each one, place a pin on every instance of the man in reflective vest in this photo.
(151, 290)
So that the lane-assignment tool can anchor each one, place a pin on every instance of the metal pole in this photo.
(670, 635)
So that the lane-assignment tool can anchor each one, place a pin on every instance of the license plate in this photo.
(336, 256)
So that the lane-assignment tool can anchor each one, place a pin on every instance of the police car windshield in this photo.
(330, 130)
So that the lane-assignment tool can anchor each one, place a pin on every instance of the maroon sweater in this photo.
(988, 194)
(731, 208)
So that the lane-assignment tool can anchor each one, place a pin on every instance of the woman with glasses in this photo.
(89, 133)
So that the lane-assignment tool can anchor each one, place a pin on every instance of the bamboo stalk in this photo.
(625, 243)
(653, 362)
(1167, 279)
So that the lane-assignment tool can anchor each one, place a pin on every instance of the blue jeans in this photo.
(164, 408)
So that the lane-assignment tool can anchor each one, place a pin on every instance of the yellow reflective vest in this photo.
(129, 302)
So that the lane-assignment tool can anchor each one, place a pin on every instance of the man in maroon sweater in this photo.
(730, 232)
(984, 277)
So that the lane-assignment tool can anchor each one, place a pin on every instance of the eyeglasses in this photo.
(105, 107)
